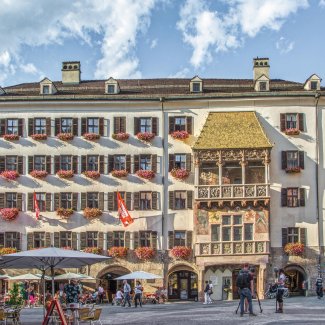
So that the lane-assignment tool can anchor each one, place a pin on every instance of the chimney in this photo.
(261, 67)
(71, 72)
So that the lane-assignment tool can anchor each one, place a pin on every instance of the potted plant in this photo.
(68, 248)
(10, 175)
(11, 137)
(40, 174)
(295, 249)
(93, 174)
(116, 251)
(65, 173)
(65, 136)
(145, 136)
(144, 253)
(293, 169)
(179, 173)
(39, 137)
(7, 250)
(121, 136)
(180, 135)
(91, 136)
(146, 174)
(292, 131)
(120, 173)
(91, 213)
(16, 298)
(93, 250)
(9, 214)
(181, 252)
(64, 213)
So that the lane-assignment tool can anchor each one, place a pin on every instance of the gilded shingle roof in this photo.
(232, 130)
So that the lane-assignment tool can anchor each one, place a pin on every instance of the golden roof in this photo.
(232, 130)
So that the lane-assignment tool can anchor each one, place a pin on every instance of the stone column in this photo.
(220, 164)
(260, 281)
(105, 242)
(200, 284)
(196, 171)
(243, 164)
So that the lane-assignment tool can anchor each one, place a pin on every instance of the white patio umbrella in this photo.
(4, 277)
(70, 276)
(25, 277)
(139, 275)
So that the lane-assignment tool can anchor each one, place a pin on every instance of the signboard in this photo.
(55, 304)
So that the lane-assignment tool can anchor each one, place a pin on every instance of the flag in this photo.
(123, 212)
(36, 208)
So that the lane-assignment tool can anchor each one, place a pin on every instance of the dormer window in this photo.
(110, 89)
(196, 85)
(47, 87)
(46, 90)
(313, 83)
(262, 83)
(112, 86)
(262, 86)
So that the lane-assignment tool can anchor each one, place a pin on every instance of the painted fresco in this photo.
(202, 226)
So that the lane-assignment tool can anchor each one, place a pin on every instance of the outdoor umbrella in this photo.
(139, 275)
(25, 277)
(70, 276)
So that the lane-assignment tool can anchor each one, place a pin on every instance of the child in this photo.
(119, 297)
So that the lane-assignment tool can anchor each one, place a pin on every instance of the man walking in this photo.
(319, 287)
(246, 288)
(280, 291)
(126, 291)
(207, 299)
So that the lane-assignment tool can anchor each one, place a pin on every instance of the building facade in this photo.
(232, 169)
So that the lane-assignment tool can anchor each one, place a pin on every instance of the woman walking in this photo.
(138, 294)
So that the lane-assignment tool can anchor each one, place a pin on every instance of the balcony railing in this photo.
(232, 191)
(232, 248)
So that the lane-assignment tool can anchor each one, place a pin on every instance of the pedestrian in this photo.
(246, 289)
(319, 287)
(119, 297)
(210, 291)
(127, 291)
(138, 294)
(252, 272)
(72, 292)
(207, 299)
(100, 293)
(280, 291)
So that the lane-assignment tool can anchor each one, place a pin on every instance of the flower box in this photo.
(7, 250)
(11, 137)
(38, 173)
(64, 213)
(179, 173)
(181, 252)
(295, 249)
(93, 174)
(65, 173)
(293, 170)
(121, 136)
(120, 173)
(68, 248)
(93, 250)
(65, 136)
(91, 213)
(120, 252)
(292, 131)
(146, 174)
(180, 135)
(39, 136)
(10, 175)
(9, 214)
(145, 253)
(145, 136)
(91, 136)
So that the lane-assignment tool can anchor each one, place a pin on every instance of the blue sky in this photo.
(160, 38)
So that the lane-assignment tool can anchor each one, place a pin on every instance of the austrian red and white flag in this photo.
(123, 212)
(36, 208)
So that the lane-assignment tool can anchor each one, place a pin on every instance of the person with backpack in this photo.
(207, 290)
(280, 291)
(246, 289)
(319, 287)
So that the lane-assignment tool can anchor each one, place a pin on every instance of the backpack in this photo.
(243, 280)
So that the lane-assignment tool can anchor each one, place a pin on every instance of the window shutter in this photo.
(284, 236)
(30, 202)
(18, 236)
(101, 126)
(128, 200)
(110, 163)
(30, 126)
(2, 163)
(83, 125)
(301, 159)
(83, 201)
(48, 201)
(2, 127)
(48, 126)
(171, 162)
(30, 240)
(284, 199)
(75, 126)
(2, 200)
(101, 164)
(189, 236)
(74, 241)
(154, 240)
(49, 164)
(48, 239)
(170, 239)
(83, 240)
(75, 201)
(136, 165)
(154, 203)
(171, 200)
(115, 201)
(117, 124)
(128, 163)
(189, 199)
(56, 164)
(127, 239)
(284, 159)
(56, 239)
(83, 163)
(302, 197)
(110, 200)
(136, 200)
(75, 164)
(101, 201)
(301, 121)
(110, 242)
(154, 122)
(136, 125)
(303, 235)
(136, 239)
(20, 201)
(154, 163)
(21, 127)
(56, 201)
(100, 242)
(189, 124)
(282, 122)
(123, 124)
(57, 128)
(20, 167)
(171, 124)
(2, 239)
(188, 162)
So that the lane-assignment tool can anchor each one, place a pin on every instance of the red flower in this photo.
(65, 136)
(147, 174)
(181, 252)
(91, 136)
(7, 250)
(145, 136)
(9, 174)
(9, 214)
(38, 173)
(118, 252)
(92, 174)
(11, 137)
(293, 170)
(294, 248)
(122, 136)
(144, 253)
(180, 135)
(65, 173)
(67, 248)
(292, 131)
(180, 173)
(64, 213)
(120, 173)
(93, 250)
(39, 136)
(91, 213)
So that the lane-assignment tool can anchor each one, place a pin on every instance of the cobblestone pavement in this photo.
(298, 310)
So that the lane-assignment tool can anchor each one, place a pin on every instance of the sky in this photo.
(160, 38)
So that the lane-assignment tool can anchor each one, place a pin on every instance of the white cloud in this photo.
(284, 46)
(29, 68)
(184, 73)
(322, 3)
(153, 43)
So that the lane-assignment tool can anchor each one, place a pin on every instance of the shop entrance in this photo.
(183, 285)
(295, 281)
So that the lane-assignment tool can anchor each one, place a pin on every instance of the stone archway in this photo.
(296, 277)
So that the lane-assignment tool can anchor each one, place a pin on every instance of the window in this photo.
(145, 125)
(11, 200)
(180, 161)
(12, 126)
(93, 125)
(66, 200)
(180, 200)
(92, 163)
(293, 235)
(262, 85)
(196, 86)
(232, 228)
(180, 123)
(111, 89)
(248, 231)
(92, 200)
(145, 200)
(118, 238)
(291, 121)
(119, 162)
(66, 125)
(41, 200)
(292, 159)
(66, 163)
(39, 239)
(215, 232)
(46, 89)
(179, 238)
(65, 239)
(40, 126)
(292, 197)
(40, 162)
(92, 238)
(313, 85)
(11, 162)
(145, 237)
(145, 162)
(12, 240)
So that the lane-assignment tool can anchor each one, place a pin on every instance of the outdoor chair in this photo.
(3, 318)
(13, 315)
(93, 317)
(83, 315)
